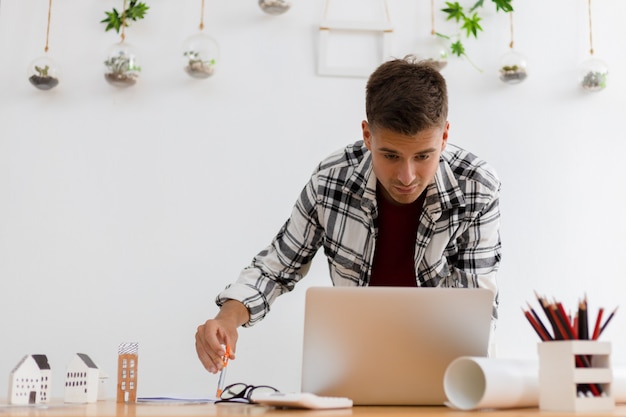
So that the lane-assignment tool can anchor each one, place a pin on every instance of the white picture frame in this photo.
(332, 56)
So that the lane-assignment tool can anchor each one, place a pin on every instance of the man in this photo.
(402, 207)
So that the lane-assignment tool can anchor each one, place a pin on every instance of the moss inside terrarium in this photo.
(512, 74)
(594, 81)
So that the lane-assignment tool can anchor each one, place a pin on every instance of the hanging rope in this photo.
(511, 23)
(590, 31)
(202, 17)
(123, 21)
(432, 17)
(48, 29)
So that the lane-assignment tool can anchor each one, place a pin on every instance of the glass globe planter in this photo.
(121, 67)
(593, 75)
(435, 51)
(513, 68)
(43, 73)
(200, 53)
(274, 7)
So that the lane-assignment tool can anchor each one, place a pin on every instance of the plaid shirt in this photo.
(457, 242)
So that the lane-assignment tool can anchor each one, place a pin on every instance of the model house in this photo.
(103, 378)
(29, 381)
(82, 380)
(127, 372)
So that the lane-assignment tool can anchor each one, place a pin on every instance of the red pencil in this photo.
(596, 328)
(543, 335)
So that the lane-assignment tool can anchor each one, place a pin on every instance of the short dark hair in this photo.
(406, 96)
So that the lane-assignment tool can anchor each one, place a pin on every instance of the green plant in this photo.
(42, 72)
(120, 64)
(136, 10)
(468, 21)
(194, 58)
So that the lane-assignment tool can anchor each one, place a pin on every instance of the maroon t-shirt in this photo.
(394, 264)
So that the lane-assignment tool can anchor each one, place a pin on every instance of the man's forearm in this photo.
(235, 312)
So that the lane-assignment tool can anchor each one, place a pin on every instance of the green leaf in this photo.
(112, 20)
(504, 5)
(478, 4)
(135, 11)
(471, 25)
(454, 11)
(457, 48)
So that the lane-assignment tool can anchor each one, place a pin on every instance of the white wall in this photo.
(124, 212)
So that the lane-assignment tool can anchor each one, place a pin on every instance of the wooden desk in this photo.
(112, 409)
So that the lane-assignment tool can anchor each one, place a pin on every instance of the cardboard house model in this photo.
(30, 381)
(82, 380)
(127, 372)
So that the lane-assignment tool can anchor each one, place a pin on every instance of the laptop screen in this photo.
(390, 345)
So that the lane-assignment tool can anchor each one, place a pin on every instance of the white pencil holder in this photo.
(568, 369)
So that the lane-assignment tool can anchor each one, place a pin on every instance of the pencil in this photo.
(546, 309)
(222, 379)
(539, 328)
(543, 328)
(564, 319)
(596, 328)
(583, 325)
(607, 321)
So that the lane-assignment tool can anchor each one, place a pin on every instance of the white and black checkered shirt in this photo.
(457, 242)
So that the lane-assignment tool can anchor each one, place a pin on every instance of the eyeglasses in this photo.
(242, 393)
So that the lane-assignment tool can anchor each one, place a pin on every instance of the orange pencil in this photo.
(220, 382)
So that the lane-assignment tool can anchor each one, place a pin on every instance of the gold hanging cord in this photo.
(48, 29)
(432, 17)
(511, 23)
(123, 21)
(202, 16)
(590, 31)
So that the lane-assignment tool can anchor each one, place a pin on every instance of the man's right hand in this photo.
(215, 334)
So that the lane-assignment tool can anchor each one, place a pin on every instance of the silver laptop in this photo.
(390, 345)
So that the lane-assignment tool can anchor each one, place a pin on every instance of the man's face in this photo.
(405, 164)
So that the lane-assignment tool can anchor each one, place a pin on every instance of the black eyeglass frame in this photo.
(242, 396)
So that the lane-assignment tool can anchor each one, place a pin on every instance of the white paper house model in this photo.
(30, 381)
(82, 380)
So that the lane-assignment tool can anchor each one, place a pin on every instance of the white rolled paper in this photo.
(478, 382)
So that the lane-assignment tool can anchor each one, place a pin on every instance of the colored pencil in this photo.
(583, 324)
(607, 321)
(596, 328)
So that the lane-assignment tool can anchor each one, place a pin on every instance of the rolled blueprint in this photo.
(478, 382)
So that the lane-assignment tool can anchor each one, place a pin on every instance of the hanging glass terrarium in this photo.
(435, 51)
(200, 53)
(274, 7)
(43, 72)
(593, 75)
(593, 72)
(513, 67)
(121, 66)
